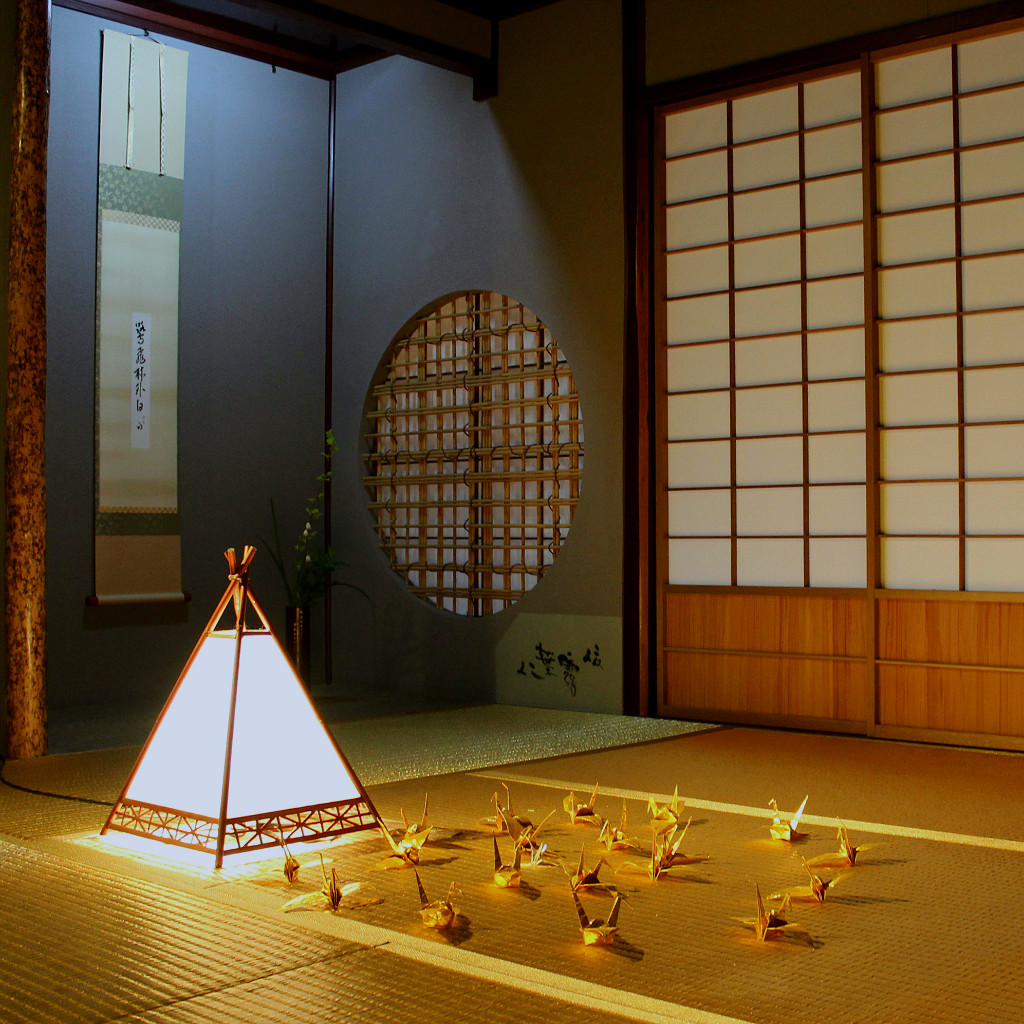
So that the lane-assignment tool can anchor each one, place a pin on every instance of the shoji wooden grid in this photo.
(475, 453)
(841, 422)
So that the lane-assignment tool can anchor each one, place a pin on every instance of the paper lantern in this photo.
(239, 758)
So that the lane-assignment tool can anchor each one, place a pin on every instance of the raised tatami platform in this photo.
(929, 926)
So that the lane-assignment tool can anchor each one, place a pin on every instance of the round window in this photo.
(474, 452)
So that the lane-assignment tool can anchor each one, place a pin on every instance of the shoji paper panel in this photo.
(698, 367)
(701, 562)
(769, 563)
(699, 464)
(694, 177)
(836, 458)
(838, 562)
(920, 563)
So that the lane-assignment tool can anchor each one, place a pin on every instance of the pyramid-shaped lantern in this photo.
(239, 758)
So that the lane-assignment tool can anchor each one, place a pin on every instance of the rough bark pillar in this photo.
(25, 481)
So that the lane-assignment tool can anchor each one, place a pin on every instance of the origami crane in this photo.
(771, 923)
(844, 857)
(667, 817)
(414, 831)
(786, 830)
(440, 914)
(291, 865)
(404, 852)
(582, 812)
(615, 838)
(522, 830)
(671, 854)
(666, 853)
(595, 931)
(584, 878)
(329, 897)
(539, 857)
(508, 876)
(813, 893)
(504, 814)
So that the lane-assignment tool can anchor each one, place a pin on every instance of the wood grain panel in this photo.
(758, 685)
(958, 632)
(951, 700)
(776, 623)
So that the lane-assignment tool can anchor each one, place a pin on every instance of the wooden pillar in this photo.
(25, 480)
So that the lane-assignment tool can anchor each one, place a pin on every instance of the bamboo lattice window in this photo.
(475, 452)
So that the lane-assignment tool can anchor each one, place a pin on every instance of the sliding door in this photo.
(840, 331)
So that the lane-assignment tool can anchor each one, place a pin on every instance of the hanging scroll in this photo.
(140, 199)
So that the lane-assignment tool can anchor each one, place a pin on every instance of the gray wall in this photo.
(251, 351)
(523, 195)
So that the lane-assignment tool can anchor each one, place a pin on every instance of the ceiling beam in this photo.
(370, 40)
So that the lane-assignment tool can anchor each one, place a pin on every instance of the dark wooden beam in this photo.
(228, 35)
(481, 68)
(638, 553)
(363, 40)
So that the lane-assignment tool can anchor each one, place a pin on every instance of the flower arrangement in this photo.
(308, 574)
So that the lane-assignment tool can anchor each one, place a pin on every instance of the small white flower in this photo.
(308, 559)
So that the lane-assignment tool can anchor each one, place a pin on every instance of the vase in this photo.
(296, 634)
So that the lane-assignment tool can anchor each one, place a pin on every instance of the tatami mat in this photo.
(928, 927)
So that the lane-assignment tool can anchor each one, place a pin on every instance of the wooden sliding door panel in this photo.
(785, 687)
(960, 632)
(769, 623)
(952, 701)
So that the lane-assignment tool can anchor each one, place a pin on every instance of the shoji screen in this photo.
(840, 321)
(765, 339)
(951, 315)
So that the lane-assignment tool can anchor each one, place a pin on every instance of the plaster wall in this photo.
(521, 194)
(251, 352)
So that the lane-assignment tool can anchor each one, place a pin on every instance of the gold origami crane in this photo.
(440, 914)
(666, 853)
(813, 893)
(539, 857)
(586, 878)
(771, 923)
(597, 932)
(667, 817)
(783, 829)
(291, 865)
(508, 876)
(582, 813)
(614, 837)
(412, 833)
(504, 814)
(522, 830)
(844, 857)
(405, 852)
(329, 897)
(671, 854)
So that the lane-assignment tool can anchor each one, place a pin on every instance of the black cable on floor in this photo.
(42, 792)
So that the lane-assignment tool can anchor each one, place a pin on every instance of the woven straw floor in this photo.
(929, 926)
